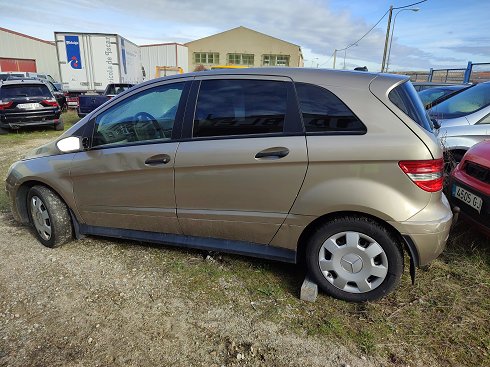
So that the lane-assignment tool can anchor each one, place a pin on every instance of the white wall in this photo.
(19, 47)
(170, 54)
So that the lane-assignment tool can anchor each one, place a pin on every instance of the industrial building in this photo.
(157, 56)
(245, 47)
(238, 46)
(20, 52)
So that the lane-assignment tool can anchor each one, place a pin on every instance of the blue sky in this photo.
(444, 33)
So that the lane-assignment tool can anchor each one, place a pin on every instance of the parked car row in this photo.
(462, 113)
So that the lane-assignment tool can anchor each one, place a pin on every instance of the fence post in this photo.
(429, 77)
(467, 73)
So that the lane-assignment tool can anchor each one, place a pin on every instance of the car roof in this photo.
(346, 78)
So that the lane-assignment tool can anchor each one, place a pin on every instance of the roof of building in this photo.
(248, 29)
(163, 44)
(26, 36)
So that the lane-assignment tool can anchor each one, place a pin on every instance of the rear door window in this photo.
(16, 91)
(324, 112)
(240, 107)
(406, 99)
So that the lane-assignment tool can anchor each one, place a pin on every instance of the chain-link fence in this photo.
(480, 72)
(451, 76)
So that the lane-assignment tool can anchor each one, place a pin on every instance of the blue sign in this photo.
(73, 52)
(123, 51)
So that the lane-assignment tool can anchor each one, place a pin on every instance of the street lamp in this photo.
(393, 31)
(388, 28)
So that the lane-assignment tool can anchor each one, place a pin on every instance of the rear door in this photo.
(244, 161)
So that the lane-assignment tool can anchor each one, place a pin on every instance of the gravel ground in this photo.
(96, 302)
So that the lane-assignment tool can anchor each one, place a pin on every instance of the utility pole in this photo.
(334, 57)
(387, 39)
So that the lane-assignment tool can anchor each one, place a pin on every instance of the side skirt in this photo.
(200, 243)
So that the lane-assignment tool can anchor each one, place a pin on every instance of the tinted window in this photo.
(36, 90)
(240, 107)
(406, 99)
(464, 103)
(148, 115)
(325, 112)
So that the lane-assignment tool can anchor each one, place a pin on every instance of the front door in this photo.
(126, 179)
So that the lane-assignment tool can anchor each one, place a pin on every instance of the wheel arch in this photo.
(21, 197)
(405, 242)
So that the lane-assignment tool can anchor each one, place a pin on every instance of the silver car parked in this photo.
(464, 119)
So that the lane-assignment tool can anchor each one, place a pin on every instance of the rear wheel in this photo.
(3, 131)
(355, 259)
(49, 217)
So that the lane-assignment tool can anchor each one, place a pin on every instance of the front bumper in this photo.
(429, 229)
(482, 219)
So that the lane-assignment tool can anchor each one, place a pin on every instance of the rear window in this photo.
(406, 99)
(14, 91)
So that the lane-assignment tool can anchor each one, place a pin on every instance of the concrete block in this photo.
(309, 290)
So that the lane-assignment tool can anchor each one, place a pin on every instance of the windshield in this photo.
(464, 103)
(430, 95)
(33, 90)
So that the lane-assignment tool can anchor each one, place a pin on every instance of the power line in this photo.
(379, 21)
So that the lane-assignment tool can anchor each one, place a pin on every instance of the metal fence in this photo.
(456, 76)
(479, 72)
(473, 73)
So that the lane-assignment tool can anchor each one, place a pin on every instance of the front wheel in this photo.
(49, 217)
(355, 259)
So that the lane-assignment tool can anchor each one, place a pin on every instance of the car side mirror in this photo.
(435, 123)
(70, 144)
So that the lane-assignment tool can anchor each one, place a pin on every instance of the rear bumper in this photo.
(19, 124)
(428, 230)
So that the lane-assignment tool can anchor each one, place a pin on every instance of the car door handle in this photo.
(272, 153)
(157, 160)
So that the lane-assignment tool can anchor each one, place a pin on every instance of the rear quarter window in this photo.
(324, 112)
(406, 99)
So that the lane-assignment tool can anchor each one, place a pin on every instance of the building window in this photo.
(275, 60)
(206, 58)
(240, 59)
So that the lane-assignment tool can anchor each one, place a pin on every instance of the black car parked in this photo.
(28, 103)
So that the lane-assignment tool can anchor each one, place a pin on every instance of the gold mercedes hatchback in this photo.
(338, 169)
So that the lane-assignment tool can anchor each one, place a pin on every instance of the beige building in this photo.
(245, 47)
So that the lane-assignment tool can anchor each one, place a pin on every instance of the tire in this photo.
(354, 259)
(49, 217)
(3, 131)
(60, 126)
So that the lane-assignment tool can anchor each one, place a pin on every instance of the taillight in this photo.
(49, 103)
(428, 175)
(6, 104)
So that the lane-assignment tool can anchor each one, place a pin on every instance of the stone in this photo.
(309, 290)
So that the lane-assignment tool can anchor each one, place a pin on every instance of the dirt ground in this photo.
(96, 302)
